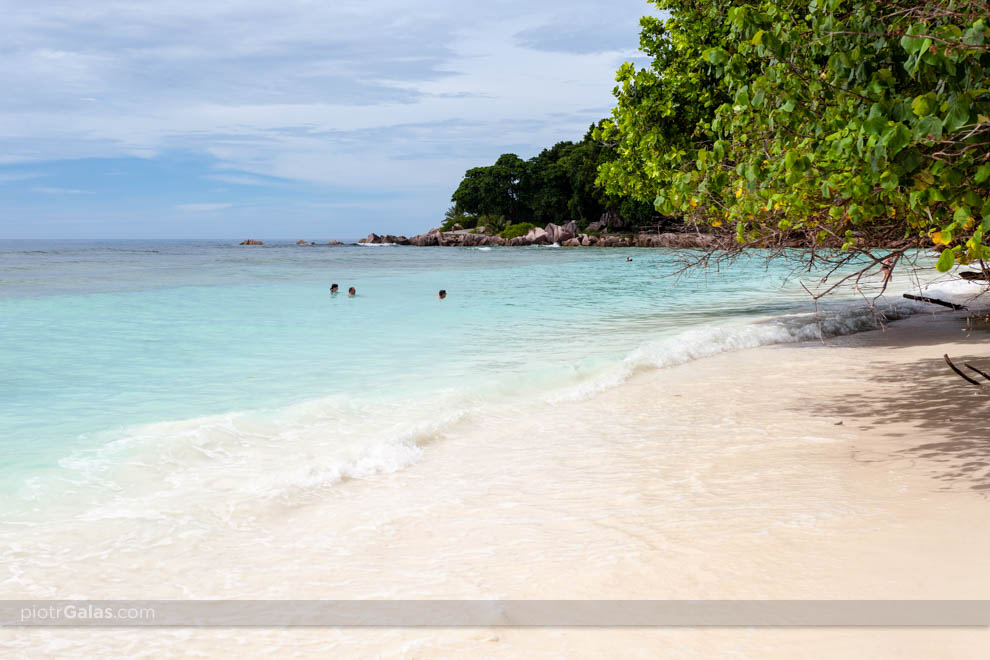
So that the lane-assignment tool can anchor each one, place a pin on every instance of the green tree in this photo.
(848, 123)
(494, 190)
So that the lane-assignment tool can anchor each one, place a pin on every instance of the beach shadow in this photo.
(930, 398)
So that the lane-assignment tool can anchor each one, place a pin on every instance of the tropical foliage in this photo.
(846, 123)
(558, 185)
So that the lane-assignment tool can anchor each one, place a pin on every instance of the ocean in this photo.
(199, 420)
(128, 367)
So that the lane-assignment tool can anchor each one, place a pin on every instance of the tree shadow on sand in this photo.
(930, 397)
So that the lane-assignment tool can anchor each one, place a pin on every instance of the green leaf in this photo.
(924, 105)
(896, 138)
(716, 56)
(888, 180)
(962, 215)
(982, 174)
(946, 261)
(929, 127)
(958, 115)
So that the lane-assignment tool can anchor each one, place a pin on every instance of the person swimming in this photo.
(351, 292)
(442, 294)
(628, 259)
(333, 288)
(887, 269)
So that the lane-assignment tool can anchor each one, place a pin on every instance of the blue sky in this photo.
(289, 119)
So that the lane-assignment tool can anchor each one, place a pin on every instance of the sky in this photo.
(306, 119)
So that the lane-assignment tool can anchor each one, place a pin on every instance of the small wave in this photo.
(483, 249)
(707, 341)
(246, 460)
(377, 244)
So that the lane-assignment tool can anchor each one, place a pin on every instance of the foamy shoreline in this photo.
(725, 477)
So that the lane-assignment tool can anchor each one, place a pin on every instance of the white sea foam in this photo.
(711, 340)
(214, 465)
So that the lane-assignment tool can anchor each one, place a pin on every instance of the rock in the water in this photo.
(334, 243)
(251, 241)
(301, 242)
(571, 242)
(372, 238)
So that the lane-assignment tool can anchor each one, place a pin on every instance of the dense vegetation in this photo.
(558, 185)
(843, 123)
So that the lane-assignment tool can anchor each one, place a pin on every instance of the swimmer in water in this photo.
(333, 289)
(351, 292)
(442, 294)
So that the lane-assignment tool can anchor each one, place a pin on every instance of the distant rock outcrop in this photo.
(561, 234)
(334, 243)
(302, 242)
(251, 241)
(387, 239)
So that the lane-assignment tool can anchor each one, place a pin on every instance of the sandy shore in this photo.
(857, 468)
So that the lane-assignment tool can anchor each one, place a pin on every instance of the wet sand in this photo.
(857, 468)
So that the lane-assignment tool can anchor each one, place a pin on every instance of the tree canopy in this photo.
(557, 185)
(848, 123)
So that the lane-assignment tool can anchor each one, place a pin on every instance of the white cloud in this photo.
(397, 97)
(199, 208)
(241, 180)
(49, 190)
(6, 177)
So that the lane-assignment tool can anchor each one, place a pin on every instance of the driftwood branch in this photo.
(973, 275)
(982, 373)
(960, 373)
(935, 301)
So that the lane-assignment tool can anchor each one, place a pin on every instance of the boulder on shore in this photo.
(571, 242)
(425, 240)
(560, 234)
(612, 220)
(674, 240)
(251, 241)
(536, 236)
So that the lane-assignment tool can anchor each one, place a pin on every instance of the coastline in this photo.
(760, 493)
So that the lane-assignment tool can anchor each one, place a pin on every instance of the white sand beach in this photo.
(854, 468)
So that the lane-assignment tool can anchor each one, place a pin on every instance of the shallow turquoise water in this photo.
(97, 338)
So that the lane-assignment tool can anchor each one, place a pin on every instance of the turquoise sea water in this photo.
(102, 341)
